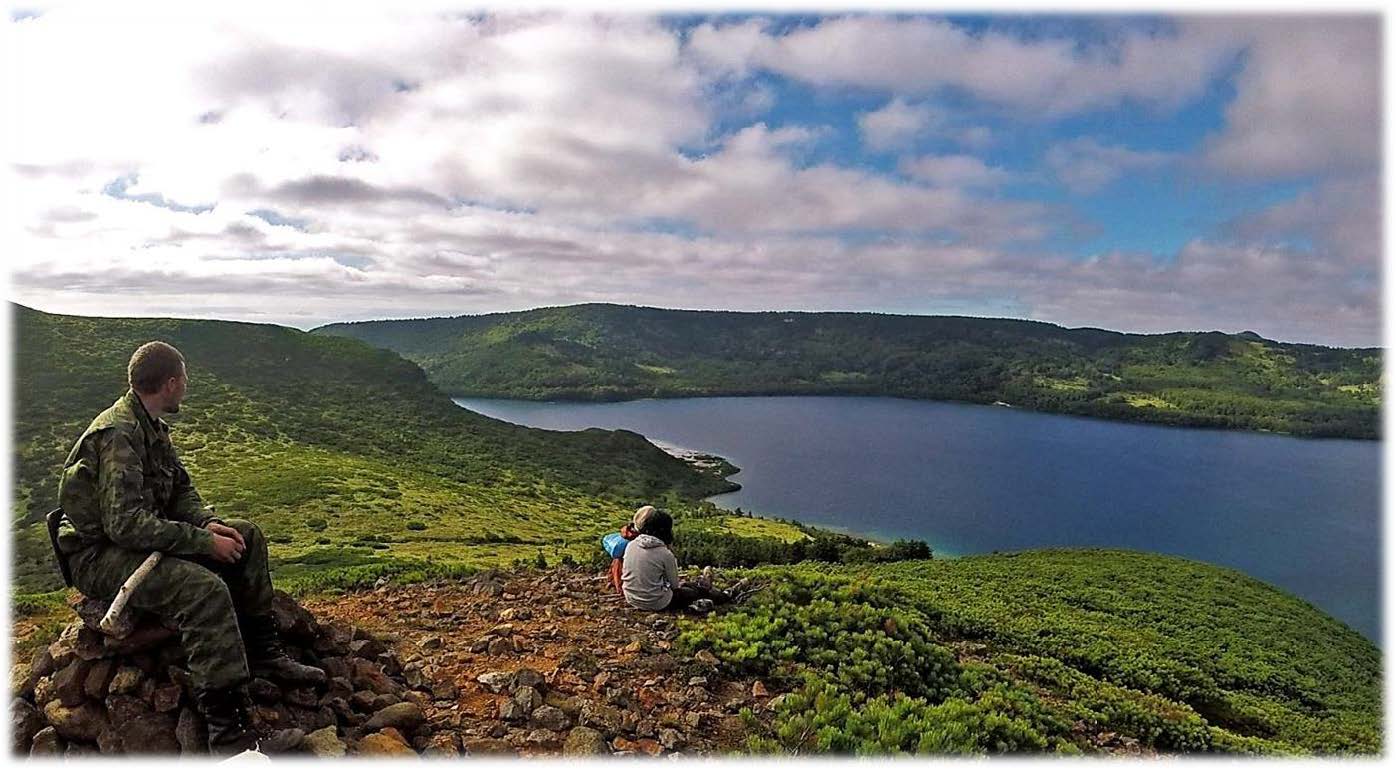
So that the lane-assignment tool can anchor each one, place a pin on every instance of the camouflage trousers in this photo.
(198, 595)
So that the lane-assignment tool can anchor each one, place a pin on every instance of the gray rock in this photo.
(528, 699)
(127, 680)
(151, 733)
(363, 700)
(584, 741)
(282, 741)
(383, 701)
(82, 723)
(610, 720)
(335, 667)
(552, 718)
(42, 663)
(292, 620)
(511, 710)
(487, 746)
(366, 648)
(90, 644)
(61, 650)
(47, 743)
(324, 743)
(124, 707)
(670, 739)
(25, 722)
(497, 680)
(403, 716)
(68, 681)
(311, 719)
(444, 690)
(364, 674)
(98, 680)
(528, 677)
(539, 737)
(191, 733)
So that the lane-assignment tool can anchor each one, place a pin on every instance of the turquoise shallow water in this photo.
(1301, 514)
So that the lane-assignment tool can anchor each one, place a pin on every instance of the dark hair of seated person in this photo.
(660, 525)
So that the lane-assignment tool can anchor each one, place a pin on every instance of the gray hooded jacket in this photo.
(649, 573)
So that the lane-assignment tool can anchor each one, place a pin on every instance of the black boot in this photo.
(267, 658)
(225, 711)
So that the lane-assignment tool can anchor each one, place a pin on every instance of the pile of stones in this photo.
(87, 693)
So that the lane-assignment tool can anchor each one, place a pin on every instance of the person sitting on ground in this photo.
(650, 574)
(615, 542)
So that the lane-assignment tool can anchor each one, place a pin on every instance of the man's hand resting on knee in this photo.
(227, 543)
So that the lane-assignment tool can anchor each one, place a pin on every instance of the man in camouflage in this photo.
(125, 494)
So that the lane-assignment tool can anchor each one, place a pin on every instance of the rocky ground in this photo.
(553, 662)
(535, 663)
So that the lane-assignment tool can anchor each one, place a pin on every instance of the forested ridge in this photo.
(613, 352)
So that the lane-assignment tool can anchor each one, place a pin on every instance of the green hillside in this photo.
(345, 454)
(611, 352)
(1053, 650)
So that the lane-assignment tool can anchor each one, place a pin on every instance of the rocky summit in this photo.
(529, 663)
(553, 662)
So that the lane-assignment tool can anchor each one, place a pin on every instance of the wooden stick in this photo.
(112, 618)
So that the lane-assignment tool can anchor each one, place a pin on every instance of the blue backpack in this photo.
(614, 544)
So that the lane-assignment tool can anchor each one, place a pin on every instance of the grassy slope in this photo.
(330, 445)
(1042, 649)
(614, 352)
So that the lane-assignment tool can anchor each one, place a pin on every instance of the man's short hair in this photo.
(151, 365)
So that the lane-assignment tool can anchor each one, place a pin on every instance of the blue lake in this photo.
(1301, 514)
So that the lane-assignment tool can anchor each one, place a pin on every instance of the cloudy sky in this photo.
(1134, 173)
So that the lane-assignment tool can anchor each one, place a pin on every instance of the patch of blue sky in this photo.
(665, 226)
(277, 220)
(1161, 217)
(117, 188)
(458, 203)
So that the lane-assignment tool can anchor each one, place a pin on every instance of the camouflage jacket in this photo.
(123, 484)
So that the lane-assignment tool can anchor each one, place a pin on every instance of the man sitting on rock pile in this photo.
(125, 494)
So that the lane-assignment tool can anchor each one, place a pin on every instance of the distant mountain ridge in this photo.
(616, 352)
